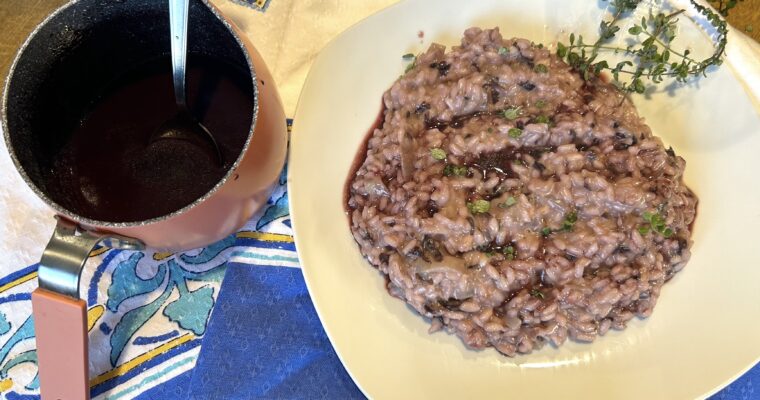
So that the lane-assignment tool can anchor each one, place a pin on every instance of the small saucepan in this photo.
(79, 101)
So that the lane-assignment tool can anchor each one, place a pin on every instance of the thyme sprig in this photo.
(652, 59)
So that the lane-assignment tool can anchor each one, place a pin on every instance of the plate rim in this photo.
(299, 244)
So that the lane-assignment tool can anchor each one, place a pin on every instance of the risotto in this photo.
(513, 203)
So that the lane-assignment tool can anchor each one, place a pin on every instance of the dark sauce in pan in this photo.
(110, 170)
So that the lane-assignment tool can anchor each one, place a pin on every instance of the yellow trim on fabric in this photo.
(135, 362)
(26, 278)
(100, 250)
(93, 315)
(6, 384)
(161, 256)
(268, 237)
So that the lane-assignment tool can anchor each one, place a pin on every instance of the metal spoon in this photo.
(183, 126)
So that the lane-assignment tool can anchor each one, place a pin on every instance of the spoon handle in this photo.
(178, 27)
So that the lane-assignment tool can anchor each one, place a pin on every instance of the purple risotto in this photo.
(514, 203)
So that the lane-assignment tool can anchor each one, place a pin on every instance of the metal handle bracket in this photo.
(66, 252)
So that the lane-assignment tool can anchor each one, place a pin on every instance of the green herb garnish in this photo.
(540, 104)
(569, 222)
(515, 133)
(655, 222)
(541, 68)
(412, 62)
(650, 56)
(542, 119)
(438, 154)
(509, 202)
(546, 231)
(479, 207)
(509, 252)
(536, 293)
(512, 113)
(454, 170)
(503, 50)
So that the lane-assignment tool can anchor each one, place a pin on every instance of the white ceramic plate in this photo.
(705, 330)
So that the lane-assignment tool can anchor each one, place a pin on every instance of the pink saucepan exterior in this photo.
(100, 36)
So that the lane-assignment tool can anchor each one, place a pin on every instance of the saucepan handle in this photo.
(60, 316)
(60, 326)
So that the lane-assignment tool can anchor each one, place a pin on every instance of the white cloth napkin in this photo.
(291, 33)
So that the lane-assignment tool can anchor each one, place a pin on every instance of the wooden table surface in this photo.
(19, 17)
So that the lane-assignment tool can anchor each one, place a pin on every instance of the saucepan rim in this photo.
(107, 224)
